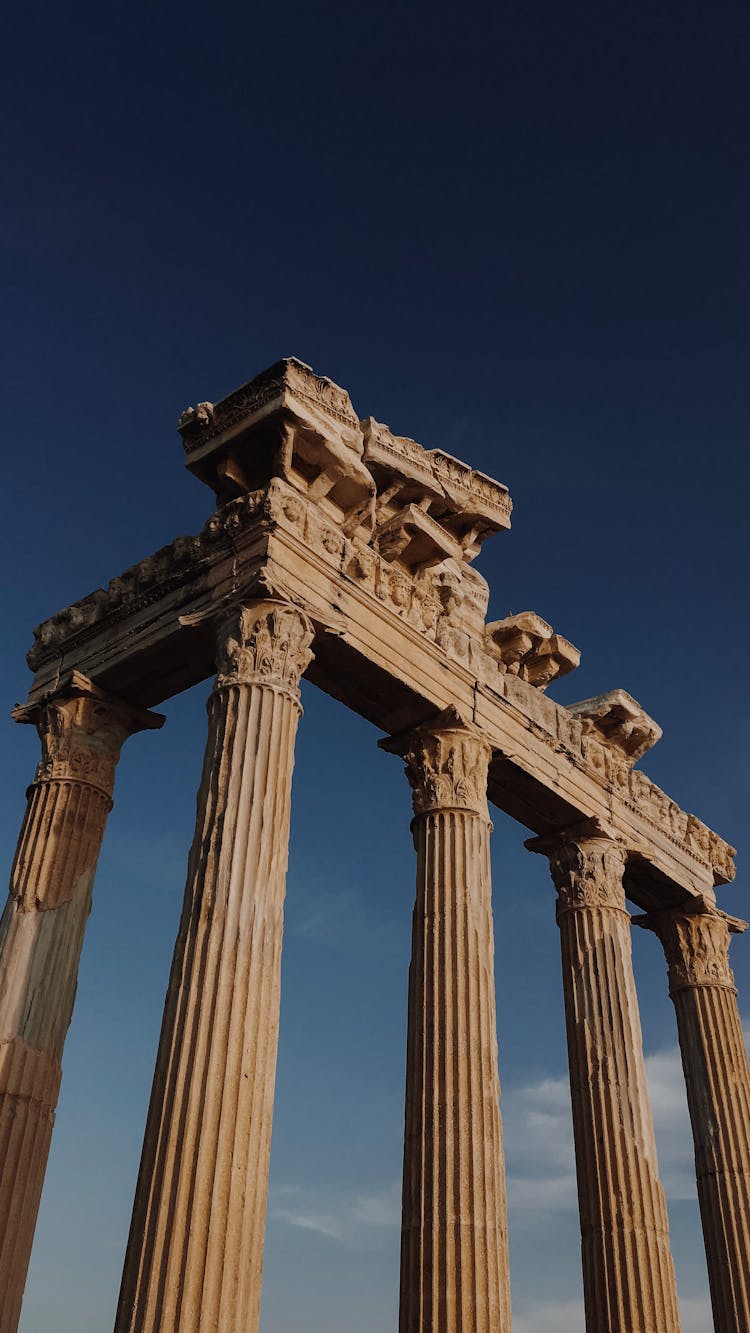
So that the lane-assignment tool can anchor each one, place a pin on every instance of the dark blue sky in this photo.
(517, 232)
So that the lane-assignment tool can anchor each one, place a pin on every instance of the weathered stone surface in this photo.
(621, 721)
(288, 422)
(416, 642)
(527, 647)
(628, 1274)
(41, 936)
(195, 1252)
(454, 1247)
(714, 1059)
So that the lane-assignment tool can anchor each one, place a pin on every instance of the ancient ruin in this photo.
(343, 552)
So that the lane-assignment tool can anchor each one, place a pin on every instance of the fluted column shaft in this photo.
(717, 1076)
(454, 1245)
(195, 1252)
(41, 937)
(628, 1273)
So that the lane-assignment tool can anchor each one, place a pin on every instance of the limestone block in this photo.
(287, 422)
(468, 505)
(621, 721)
(528, 647)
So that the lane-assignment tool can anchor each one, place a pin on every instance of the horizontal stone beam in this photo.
(391, 647)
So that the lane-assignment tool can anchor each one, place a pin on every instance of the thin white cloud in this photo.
(538, 1134)
(325, 916)
(323, 1223)
(546, 1317)
(540, 1160)
(352, 1220)
(380, 1208)
(568, 1317)
(674, 1140)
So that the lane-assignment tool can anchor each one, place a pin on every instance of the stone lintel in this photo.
(619, 718)
(468, 505)
(77, 686)
(580, 833)
(394, 646)
(696, 906)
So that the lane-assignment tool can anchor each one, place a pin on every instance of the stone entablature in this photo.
(442, 608)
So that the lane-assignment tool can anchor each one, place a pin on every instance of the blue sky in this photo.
(515, 232)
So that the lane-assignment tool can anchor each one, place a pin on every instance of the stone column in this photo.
(454, 1243)
(41, 936)
(714, 1059)
(628, 1274)
(195, 1252)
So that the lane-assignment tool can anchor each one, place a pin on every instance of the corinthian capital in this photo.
(264, 643)
(446, 763)
(82, 730)
(587, 866)
(696, 942)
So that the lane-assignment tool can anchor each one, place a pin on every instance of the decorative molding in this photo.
(622, 723)
(446, 763)
(527, 647)
(198, 426)
(587, 864)
(696, 945)
(82, 731)
(444, 605)
(264, 643)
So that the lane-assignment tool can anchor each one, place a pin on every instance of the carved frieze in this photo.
(287, 378)
(444, 601)
(264, 643)
(429, 503)
(290, 423)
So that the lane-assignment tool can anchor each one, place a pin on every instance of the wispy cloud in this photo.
(543, 1317)
(539, 1149)
(333, 917)
(539, 1139)
(354, 1219)
(568, 1317)
(325, 916)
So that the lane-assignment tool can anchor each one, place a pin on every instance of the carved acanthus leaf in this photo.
(264, 643)
(586, 867)
(696, 945)
(82, 731)
(446, 764)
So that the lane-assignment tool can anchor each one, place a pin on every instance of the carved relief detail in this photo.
(446, 764)
(264, 643)
(445, 605)
(696, 947)
(82, 731)
(586, 871)
(81, 740)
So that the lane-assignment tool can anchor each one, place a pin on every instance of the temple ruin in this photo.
(342, 552)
